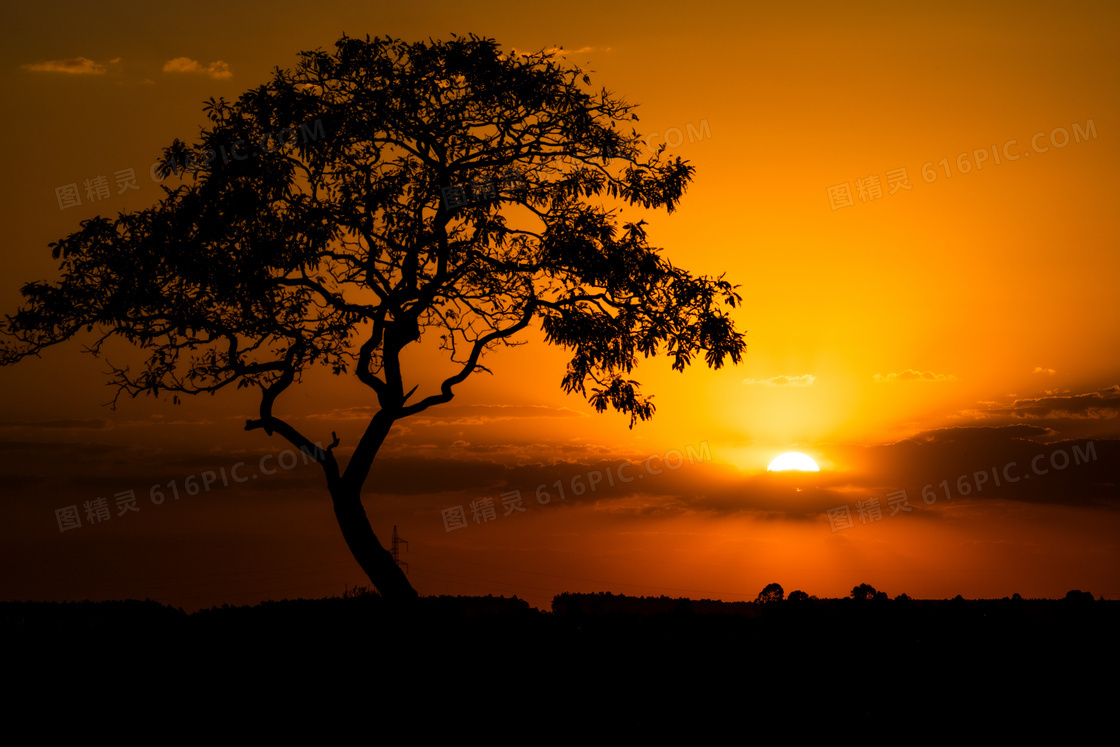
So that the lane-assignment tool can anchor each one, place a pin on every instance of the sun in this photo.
(793, 460)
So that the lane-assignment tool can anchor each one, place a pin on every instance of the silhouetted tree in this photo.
(1077, 596)
(863, 592)
(772, 593)
(797, 596)
(444, 201)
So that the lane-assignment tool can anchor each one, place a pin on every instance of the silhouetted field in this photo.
(593, 656)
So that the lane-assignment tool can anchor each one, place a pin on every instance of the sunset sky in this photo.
(919, 206)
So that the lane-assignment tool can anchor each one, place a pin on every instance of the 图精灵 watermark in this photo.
(512, 183)
(675, 136)
(485, 510)
(482, 190)
(269, 142)
(97, 188)
(98, 510)
(870, 510)
(870, 188)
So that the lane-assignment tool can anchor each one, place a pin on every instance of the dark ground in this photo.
(477, 663)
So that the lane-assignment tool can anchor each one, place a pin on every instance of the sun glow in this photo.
(793, 460)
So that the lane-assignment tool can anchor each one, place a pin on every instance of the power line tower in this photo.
(397, 542)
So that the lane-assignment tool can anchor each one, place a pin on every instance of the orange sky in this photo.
(961, 325)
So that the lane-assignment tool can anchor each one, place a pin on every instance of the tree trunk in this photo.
(374, 559)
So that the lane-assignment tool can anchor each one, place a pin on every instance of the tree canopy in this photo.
(863, 592)
(381, 195)
(772, 593)
(254, 269)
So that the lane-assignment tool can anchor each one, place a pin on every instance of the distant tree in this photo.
(1077, 596)
(444, 202)
(797, 596)
(772, 593)
(902, 598)
(863, 593)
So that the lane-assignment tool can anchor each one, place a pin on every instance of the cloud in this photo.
(912, 375)
(971, 436)
(216, 69)
(1047, 371)
(557, 51)
(1012, 462)
(55, 449)
(458, 414)
(1103, 404)
(74, 66)
(480, 414)
(563, 52)
(1015, 464)
(90, 423)
(803, 380)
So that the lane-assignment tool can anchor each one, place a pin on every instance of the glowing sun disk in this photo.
(793, 460)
